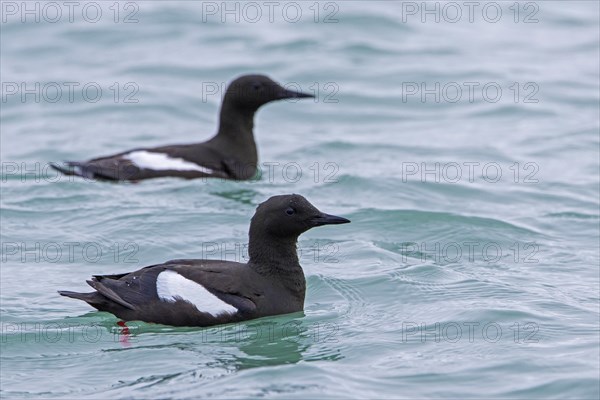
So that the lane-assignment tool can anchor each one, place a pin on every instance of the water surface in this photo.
(470, 268)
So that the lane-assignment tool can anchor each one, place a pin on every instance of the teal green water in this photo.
(470, 269)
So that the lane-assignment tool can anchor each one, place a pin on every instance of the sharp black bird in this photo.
(210, 292)
(230, 154)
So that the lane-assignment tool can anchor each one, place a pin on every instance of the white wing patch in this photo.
(170, 286)
(161, 161)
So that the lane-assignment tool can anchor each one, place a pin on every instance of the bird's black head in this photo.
(252, 91)
(288, 216)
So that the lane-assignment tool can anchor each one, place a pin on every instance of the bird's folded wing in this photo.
(131, 290)
(225, 280)
(140, 287)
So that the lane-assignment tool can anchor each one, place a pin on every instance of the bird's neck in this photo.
(277, 258)
(236, 126)
(235, 139)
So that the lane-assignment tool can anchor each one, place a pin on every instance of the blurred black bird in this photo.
(230, 154)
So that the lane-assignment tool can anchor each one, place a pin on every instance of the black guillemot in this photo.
(230, 154)
(192, 292)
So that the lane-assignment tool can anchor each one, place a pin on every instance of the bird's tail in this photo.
(106, 300)
(82, 169)
(68, 168)
(94, 299)
(87, 297)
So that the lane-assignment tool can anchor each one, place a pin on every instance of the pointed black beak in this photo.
(327, 219)
(292, 94)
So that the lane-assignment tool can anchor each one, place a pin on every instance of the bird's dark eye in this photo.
(256, 86)
(290, 211)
